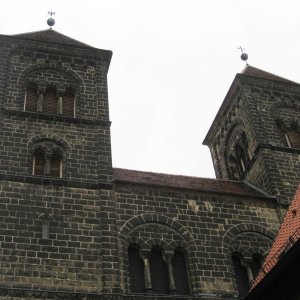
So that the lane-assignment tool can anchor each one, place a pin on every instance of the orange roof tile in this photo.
(288, 234)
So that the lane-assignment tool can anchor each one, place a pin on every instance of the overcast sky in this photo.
(173, 62)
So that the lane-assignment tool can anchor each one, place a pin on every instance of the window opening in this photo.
(38, 163)
(180, 273)
(50, 101)
(31, 99)
(136, 270)
(241, 276)
(159, 272)
(69, 103)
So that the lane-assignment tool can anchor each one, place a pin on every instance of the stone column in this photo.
(168, 259)
(147, 275)
(60, 105)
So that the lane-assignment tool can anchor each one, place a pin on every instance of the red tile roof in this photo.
(186, 182)
(51, 36)
(255, 72)
(288, 234)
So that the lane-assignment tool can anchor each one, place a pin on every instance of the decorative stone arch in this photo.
(245, 227)
(284, 103)
(76, 83)
(44, 66)
(49, 137)
(155, 218)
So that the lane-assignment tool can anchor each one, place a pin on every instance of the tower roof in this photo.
(51, 36)
(255, 72)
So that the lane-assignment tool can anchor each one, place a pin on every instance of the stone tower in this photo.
(255, 136)
(55, 163)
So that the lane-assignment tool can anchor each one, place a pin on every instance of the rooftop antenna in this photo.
(244, 56)
(51, 21)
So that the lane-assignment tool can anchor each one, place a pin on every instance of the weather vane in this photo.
(51, 21)
(244, 56)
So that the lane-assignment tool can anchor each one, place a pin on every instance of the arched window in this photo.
(47, 160)
(39, 162)
(180, 272)
(241, 276)
(69, 103)
(159, 272)
(31, 98)
(136, 270)
(50, 101)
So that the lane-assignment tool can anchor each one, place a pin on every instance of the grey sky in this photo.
(173, 63)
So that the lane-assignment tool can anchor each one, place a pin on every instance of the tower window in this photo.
(69, 103)
(39, 162)
(47, 161)
(56, 164)
(31, 99)
(50, 101)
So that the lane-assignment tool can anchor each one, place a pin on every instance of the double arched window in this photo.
(239, 157)
(47, 160)
(158, 272)
(50, 101)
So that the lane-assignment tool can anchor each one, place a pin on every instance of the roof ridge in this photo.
(177, 175)
(51, 36)
(257, 72)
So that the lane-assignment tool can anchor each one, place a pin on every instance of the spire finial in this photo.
(244, 56)
(51, 21)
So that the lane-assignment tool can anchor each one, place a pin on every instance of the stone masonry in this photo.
(69, 237)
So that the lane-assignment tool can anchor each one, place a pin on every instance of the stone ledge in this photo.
(58, 118)
(45, 294)
(56, 182)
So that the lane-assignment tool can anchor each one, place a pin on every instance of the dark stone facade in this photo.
(94, 212)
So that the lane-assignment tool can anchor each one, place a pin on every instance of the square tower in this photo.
(255, 136)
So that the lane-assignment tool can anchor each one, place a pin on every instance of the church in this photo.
(74, 227)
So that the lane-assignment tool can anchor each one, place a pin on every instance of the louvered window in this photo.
(180, 273)
(159, 273)
(56, 165)
(39, 163)
(136, 270)
(69, 104)
(50, 101)
(294, 137)
(31, 99)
